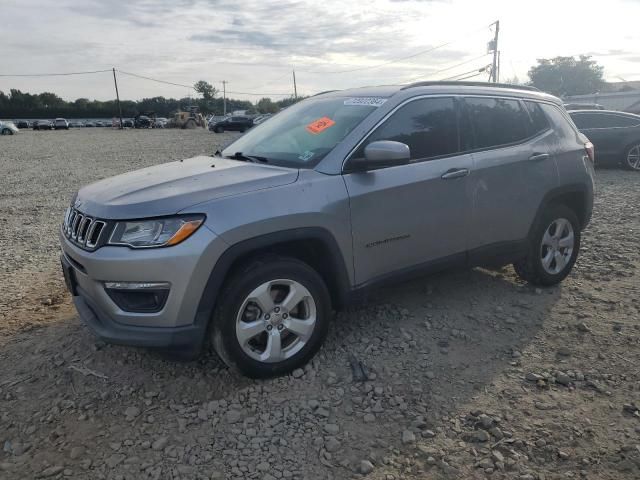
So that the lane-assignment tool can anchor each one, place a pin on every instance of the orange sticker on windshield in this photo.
(320, 125)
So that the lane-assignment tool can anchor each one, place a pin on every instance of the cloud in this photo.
(254, 44)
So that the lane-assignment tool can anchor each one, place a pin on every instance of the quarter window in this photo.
(428, 126)
(539, 122)
(496, 121)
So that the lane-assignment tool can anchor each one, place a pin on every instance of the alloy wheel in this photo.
(276, 320)
(557, 246)
(633, 158)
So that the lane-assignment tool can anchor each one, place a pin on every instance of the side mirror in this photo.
(381, 154)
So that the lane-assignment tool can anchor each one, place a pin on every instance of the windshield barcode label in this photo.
(369, 101)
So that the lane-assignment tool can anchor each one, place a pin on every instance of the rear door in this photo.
(412, 216)
(512, 169)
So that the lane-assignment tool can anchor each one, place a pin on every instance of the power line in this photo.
(431, 74)
(422, 52)
(263, 94)
(475, 70)
(191, 86)
(53, 74)
(469, 76)
(155, 79)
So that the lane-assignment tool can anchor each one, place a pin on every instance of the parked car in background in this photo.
(142, 121)
(8, 128)
(127, 123)
(615, 135)
(60, 124)
(160, 122)
(42, 125)
(213, 119)
(583, 106)
(340, 193)
(237, 124)
(22, 124)
(76, 124)
(89, 124)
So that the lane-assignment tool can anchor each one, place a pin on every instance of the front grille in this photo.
(83, 230)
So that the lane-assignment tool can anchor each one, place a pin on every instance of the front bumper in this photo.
(186, 267)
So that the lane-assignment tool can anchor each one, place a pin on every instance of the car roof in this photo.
(451, 87)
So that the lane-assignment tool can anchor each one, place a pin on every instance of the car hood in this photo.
(171, 187)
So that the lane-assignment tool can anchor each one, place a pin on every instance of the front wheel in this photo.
(273, 317)
(553, 247)
(632, 158)
(6, 131)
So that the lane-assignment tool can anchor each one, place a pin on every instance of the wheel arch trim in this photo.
(245, 248)
(558, 193)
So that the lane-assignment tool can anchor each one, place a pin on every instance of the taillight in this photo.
(590, 151)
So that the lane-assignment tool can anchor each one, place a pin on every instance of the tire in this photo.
(542, 266)
(241, 305)
(632, 158)
(6, 131)
(189, 125)
(218, 130)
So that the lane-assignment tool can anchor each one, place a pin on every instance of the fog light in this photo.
(136, 285)
(138, 297)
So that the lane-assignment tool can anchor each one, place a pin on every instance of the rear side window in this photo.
(539, 122)
(497, 121)
(429, 126)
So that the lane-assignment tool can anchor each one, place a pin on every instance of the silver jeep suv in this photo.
(254, 248)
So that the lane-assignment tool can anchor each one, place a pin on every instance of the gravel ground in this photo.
(469, 374)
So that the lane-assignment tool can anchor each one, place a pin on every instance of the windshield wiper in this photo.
(248, 158)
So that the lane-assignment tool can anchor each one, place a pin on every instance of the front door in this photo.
(412, 216)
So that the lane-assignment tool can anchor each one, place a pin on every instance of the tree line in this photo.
(18, 104)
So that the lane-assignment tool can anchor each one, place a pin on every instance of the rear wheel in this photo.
(553, 247)
(6, 131)
(632, 158)
(218, 130)
(273, 317)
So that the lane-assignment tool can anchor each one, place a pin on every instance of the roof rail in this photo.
(321, 93)
(469, 84)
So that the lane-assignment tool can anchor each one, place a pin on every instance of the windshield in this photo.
(304, 133)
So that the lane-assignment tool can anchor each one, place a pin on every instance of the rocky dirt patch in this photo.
(468, 374)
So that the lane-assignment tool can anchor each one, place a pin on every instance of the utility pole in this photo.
(117, 97)
(494, 45)
(295, 88)
(224, 97)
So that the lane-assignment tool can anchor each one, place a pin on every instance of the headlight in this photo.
(159, 232)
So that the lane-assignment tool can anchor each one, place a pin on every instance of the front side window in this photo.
(619, 121)
(588, 120)
(428, 126)
(496, 121)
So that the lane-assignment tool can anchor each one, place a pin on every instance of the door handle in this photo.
(455, 173)
(536, 157)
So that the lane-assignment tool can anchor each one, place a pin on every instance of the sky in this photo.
(255, 44)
